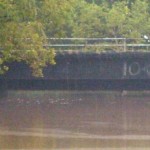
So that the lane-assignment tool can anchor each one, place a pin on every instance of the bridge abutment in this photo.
(3, 90)
(83, 71)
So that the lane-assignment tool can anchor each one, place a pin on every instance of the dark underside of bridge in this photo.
(136, 84)
(84, 71)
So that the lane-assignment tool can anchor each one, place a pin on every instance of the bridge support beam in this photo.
(3, 89)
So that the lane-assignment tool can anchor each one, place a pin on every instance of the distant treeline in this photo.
(106, 18)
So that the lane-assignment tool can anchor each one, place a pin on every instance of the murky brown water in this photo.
(58, 120)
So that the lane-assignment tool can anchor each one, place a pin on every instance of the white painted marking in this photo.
(125, 69)
(136, 71)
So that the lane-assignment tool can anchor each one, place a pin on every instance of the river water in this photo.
(72, 120)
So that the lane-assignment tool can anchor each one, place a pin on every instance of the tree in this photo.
(22, 36)
(57, 16)
(138, 22)
(116, 20)
(89, 20)
(119, 20)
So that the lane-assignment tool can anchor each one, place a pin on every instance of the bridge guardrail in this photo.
(98, 44)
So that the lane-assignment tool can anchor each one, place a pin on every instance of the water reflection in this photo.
(85, 119)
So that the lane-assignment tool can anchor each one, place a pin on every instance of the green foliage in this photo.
(57, 16)
(139, 19)
(116, 19)
(22, 35)
(128, 18)
(89, 21)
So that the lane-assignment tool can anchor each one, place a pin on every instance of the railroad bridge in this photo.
(77, 70)
(80, 71)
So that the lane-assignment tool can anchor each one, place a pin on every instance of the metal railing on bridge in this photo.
(98, 44)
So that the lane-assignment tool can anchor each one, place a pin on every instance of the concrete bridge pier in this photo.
(3, 89)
